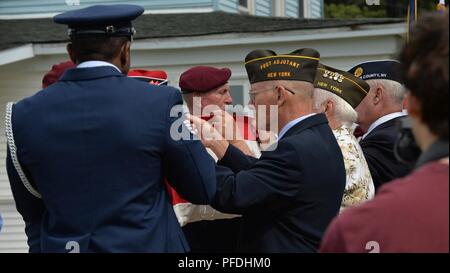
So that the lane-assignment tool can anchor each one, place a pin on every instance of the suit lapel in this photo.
(388, 124)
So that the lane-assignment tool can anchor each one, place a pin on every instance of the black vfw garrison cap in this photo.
(111, 20)
(341, 83)
(378, 70)
(266, 65)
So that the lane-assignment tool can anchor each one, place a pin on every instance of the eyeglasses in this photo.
(253, 94)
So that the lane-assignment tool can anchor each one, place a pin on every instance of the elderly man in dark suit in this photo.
(411, 214)
(378, 115)
(88, 154)
(288, 196)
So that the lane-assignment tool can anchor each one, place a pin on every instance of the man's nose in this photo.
(228, 99)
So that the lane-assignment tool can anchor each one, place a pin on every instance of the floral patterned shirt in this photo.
(359, 185)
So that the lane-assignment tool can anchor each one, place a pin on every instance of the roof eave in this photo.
(16, 54)
(216, 40)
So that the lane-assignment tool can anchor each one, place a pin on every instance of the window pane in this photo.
(237, 93)
(243, 3)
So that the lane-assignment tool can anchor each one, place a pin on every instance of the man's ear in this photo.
(197, 103)
(281, 93)
(329, 108)
(378, 95)
(71, 53)
(125, 56)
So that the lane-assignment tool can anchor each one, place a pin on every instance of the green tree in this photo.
(343, 11)
(346, 9)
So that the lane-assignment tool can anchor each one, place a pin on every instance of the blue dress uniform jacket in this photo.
(97, 145)
(290, 195)
(378, 148)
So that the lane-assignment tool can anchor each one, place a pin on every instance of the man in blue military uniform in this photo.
(88, 154)
(288, 197)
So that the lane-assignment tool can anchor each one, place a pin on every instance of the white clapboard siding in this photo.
(316, 8)
(12, 235)
(292, 8)
(5, 191)
(8, 7)
(227, 5)
(263, 7)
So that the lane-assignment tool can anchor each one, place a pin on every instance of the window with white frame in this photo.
(246, 6)
(237, 93)
(243, 3)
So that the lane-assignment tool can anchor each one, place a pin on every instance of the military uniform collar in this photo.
(81, 74)
(90, 64)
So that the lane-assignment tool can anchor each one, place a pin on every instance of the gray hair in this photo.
(395, 89)
(344, 112)
(187, 98)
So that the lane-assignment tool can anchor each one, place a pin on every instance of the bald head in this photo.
(304, 90)
(299, 89)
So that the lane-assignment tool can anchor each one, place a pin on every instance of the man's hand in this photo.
(209, 136)
(205, 130)
(230, 131)
(226, 126)
(267, 139)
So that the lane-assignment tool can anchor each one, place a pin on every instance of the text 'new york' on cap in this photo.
(112, 20)
(341, 83)
(267, 65)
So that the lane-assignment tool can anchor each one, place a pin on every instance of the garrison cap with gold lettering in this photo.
(341, 83)
(266, 65)
(101, 20)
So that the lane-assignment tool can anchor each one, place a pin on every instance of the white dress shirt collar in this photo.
(291, 124)
(90, 64)
(382, 120)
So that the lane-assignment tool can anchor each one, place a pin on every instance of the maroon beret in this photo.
(56, 72)
(203, 79)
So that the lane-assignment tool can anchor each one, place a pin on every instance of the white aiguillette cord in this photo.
(13, 151)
